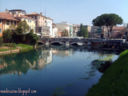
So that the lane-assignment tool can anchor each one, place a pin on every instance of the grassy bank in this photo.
(8, 48)
(24, 47)
(114, 82)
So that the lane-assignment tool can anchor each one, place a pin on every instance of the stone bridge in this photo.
(81, 42)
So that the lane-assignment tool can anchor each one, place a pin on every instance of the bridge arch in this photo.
(56, 43)
(40, 43)
(76, 43)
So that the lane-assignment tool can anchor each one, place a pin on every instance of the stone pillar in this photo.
(47, 43)
(67, 44)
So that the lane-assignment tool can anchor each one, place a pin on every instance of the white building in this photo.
(55, 31)
(49, 23)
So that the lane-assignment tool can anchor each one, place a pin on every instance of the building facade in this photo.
(30, 21)
(76, 29)
(39, 22)
(6, 20)
(55, 31)
(65, 27)
(43, 24)
(17, 12)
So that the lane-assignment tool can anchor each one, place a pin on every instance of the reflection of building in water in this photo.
(2, 66)
(62, 53)
(20, 64)
(45, 57)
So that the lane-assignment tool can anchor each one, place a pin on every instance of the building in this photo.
(30, 21)
(118, 32)
(76, 29)
(64, 26)
(43, 24)
(16, 12)
(47, 28)
(55, 31)
(49, 23)
(40, 21)
(20, 15)
(6, 20)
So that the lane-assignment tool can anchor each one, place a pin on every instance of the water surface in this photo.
(51, 72)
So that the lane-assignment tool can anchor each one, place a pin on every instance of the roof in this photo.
(49, 18)
(17, 10)
(23, 16)
(7, 16)
(37, 14)
(33, 14)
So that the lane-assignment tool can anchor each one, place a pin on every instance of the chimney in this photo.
(6, 10)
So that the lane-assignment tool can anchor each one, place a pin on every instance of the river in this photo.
(51, 72)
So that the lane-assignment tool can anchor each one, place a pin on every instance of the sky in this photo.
(72, 11)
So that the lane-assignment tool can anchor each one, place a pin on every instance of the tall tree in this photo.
(108, 20)
(83, 31)
(22, 28)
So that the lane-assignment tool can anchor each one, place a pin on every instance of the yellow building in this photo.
(31, 22)
(6, 20)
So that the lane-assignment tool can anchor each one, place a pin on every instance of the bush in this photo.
(1, 41)
(20, 35)
(31, 38)
(7, 36)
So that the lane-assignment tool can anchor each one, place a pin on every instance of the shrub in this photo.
(7, 36)
(1, 41)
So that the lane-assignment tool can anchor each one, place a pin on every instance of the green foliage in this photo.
(24, 47)
(17, 62)
(22, 28)
(32, 38)
(83, 31)
(7, 36)
(114, 81)
(1, 41)
(9, 45)
(20, 35)
(108, 20)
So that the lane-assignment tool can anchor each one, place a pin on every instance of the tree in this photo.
(7, 36)
(31, 38)
(20, 32)
(1, 41)
(108, 20)
(83, 31)
(22, 28)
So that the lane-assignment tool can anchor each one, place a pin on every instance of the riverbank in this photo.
(14, 48)
(114, 80)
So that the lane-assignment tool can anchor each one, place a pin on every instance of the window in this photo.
(0, 30)
(7, 22)
(0, 21)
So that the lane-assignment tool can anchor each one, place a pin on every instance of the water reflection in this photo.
(35, 60)
(73, 70)
(21, 63)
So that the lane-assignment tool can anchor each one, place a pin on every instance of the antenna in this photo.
(45, 8)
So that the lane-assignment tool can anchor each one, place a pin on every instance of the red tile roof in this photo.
(7, 16)
(33, 14)
(23, 16)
